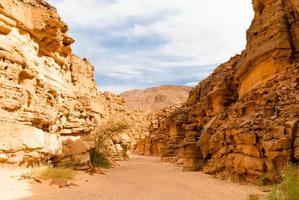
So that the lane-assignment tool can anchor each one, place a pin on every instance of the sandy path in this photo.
(10, 187)
(145, 178)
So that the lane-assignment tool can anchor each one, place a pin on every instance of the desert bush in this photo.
(116, 127)
(99, 159)
(49, 172)
(288, 189)
(125, 152)
(269, 178)
(108, 131)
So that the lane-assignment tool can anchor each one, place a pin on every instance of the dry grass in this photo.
(288, 189)
(253, 197)
(49, 172)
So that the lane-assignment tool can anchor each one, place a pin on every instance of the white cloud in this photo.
(117, 89)
(195, 33)
(191, 84)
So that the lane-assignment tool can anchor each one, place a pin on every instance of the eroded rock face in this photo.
(273, 42)
(242, 121)
(155, 143)
(49, 103)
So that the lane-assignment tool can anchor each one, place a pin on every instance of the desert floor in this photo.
(140, 178)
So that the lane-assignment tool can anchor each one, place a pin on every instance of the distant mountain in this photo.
(156, 98)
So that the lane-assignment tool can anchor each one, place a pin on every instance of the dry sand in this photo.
(140, 178)
(10, 187)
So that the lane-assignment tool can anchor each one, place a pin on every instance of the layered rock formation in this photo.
(155, 143)
(242, 121)
(49, 103)
(157, 98)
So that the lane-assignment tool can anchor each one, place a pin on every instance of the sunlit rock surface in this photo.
(242, 121)
(50, 107)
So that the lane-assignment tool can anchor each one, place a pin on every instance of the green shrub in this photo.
(108, 132)
(125, 154)
(49, 172)
(288, 189)
(99, 160)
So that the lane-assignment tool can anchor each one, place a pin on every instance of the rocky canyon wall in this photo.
(49, 102)
(242, 121)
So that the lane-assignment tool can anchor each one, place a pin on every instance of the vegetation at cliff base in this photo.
(108, 132)
(288, 189)
(49, 172)
(99, 159)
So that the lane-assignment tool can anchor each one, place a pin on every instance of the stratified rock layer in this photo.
(242, 121)
(49, 103)
(156, 142)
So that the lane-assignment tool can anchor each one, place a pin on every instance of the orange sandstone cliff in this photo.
(49, 103)
(242, 121)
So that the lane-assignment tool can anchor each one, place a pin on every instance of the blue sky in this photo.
(136, 44)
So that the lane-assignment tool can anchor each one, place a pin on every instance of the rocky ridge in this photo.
(242, 121)
(50, 107)
(156, 98)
